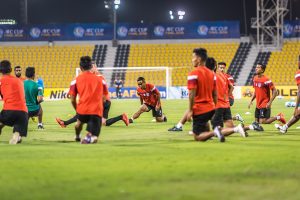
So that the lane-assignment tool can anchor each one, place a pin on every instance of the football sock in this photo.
(179, 125)
(71, 121)
(113, 120)
(131, 120)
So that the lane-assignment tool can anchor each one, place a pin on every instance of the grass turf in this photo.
(145, 161)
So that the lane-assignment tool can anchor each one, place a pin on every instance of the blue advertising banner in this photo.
(125, 31)
(291, 29)
(130, 92)
(133, 31)
(222, 29)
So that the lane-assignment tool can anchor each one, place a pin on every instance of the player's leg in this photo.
(143, 108)
(93, 130)
(20, 126)
(265, 117)
(40, 118)
(159, 116)
(183, 120)
(295, 118)
(113, 120)
(79, 124)
(201, 127)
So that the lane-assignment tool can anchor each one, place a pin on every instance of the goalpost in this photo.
(161, 77)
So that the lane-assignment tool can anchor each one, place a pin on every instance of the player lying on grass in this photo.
(150, 100)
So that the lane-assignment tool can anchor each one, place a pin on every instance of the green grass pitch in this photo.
(145, 161)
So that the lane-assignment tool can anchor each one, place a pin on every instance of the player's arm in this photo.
(141, 100)
(192, 94)
(274, 95)
(157, 94)
(215, 96)
(230, 88)
(252, 99)
(73, 93)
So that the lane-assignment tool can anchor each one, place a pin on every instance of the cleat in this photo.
(165, 119)
(239, 118)
(241, 130)
(257, 127)
(125, 119)
(282, 129)
(16, 138)
(218, 133)
(40, 126)
(130, 121)
(281, 119)
(174, 128)
(77, 139)
(60, 122)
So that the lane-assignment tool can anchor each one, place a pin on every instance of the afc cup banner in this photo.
(291, 29)
(126, 31)
(218, 29)
(12, 33)
(102, 31)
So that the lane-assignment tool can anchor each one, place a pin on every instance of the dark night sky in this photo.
(150, 11)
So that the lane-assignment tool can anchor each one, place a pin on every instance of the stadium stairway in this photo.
(99, 54)
(239, 59)
(262, 57)
(248, 65)
(109, 61)
(121, 60)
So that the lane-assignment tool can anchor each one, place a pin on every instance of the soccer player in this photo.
(14, 112)
(210, 64)
(223, 113)
(202, 97)
(262, 86)
(118, 85)
(106, 108)
(150, 100)
(222, 67)
(18, 72)
(91, 91)
(34, 96)
(296, 116)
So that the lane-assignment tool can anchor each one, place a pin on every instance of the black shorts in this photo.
(200, 122)
(93, 123)
(221, 115)
(34, 113)
(155, 113)
(231, 101)
(106, 107)
(16, 119)
(263, 113)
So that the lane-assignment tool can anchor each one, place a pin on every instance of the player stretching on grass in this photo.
(106, 108)
(150, 100)
(262, 86)
(296, 116)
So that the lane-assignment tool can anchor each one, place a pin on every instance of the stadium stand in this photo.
(283, 65)
(239, 59)
(177, 56)
(56, 65)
